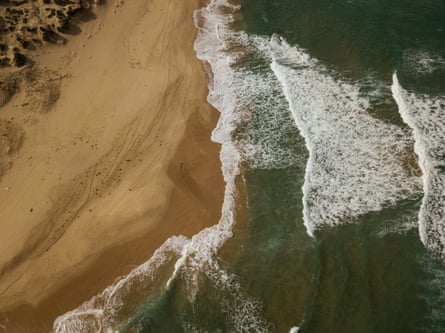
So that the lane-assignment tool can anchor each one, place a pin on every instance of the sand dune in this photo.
(109, 155)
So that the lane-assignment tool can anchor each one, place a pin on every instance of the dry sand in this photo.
(109, 155)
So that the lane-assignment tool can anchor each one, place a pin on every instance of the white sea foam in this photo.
(356, 161)
(425, 115)
(269, 138)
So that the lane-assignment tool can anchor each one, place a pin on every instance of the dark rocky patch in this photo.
(28, 24)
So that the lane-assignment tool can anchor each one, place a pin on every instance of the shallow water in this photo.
(332, 115)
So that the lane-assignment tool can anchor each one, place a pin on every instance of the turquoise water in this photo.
(333, 150)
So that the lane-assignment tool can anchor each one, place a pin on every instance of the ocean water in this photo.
(332, 126)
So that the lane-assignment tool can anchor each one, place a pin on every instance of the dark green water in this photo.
(357, 36)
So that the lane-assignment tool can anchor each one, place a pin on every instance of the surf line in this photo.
(427, 145)
(310, 228)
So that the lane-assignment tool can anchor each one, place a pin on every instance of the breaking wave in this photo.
(425, 115)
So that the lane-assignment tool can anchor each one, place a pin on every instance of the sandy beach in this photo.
(107, 154)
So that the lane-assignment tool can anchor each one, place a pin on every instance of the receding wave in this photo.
(425, 115)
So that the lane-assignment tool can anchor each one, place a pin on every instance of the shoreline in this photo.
(178, 167)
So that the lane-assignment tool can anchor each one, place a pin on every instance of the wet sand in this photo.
(110, 164)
